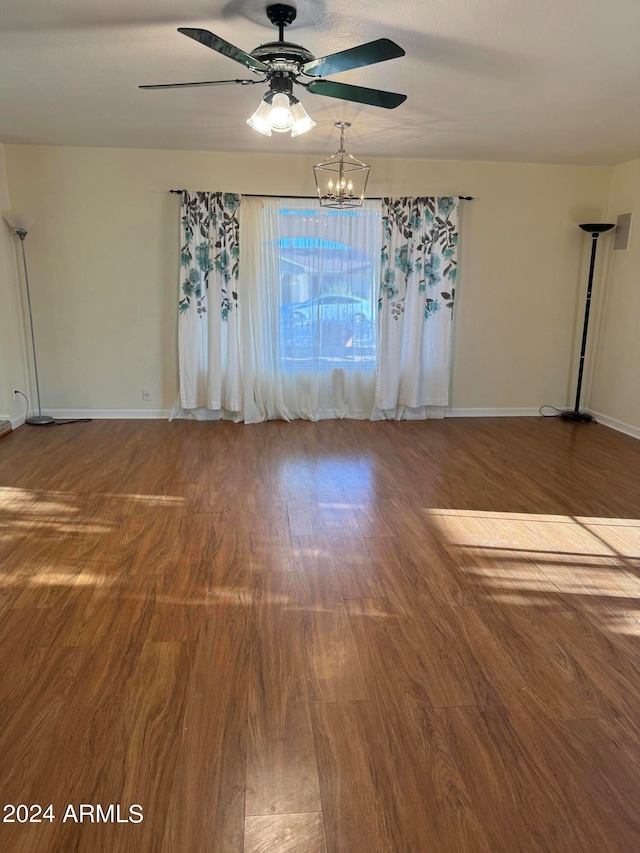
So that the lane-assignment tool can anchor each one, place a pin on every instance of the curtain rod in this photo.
(310, 197)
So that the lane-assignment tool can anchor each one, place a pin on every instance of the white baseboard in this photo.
(491, 413)
(163, 414)
(15, 422)
(612, 423)
(110, 414)
(151, 414)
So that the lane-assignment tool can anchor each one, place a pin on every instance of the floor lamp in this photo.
(595, 229)
(20, 229)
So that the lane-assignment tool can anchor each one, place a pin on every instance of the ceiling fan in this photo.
(281, 64)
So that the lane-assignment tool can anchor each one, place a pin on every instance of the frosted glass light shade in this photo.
(260, 119)
(302, 122)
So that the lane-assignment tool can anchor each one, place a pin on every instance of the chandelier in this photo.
(341, 180)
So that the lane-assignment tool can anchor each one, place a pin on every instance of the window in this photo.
(329, 271)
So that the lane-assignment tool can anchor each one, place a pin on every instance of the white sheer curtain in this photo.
(308, 293)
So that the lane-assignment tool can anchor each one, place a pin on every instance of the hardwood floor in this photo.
(341, 637)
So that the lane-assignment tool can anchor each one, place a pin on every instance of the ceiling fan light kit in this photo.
(281, 111)
(281, 64)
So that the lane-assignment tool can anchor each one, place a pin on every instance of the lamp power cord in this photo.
(55, 422)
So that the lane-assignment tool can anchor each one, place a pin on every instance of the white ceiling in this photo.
(554, 81)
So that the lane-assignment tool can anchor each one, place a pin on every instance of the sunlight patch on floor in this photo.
(52, 501)
(593, 559)
(537, 533)
(56, 577)
(43, 513)
(35, 502)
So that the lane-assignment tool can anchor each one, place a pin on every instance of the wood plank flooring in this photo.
(340, 637)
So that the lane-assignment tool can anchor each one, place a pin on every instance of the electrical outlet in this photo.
(146, 395)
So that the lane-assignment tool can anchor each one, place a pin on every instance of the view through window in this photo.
(329, 263)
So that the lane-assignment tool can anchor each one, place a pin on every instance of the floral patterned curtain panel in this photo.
(417, 293)
(208, 323)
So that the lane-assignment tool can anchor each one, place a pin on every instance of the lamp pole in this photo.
(595, 229)
(39, 419)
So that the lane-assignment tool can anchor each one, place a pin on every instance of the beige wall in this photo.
(103, 264)
(13, 358)
(615, 387)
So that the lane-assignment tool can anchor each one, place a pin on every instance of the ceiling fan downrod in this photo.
(281, 16)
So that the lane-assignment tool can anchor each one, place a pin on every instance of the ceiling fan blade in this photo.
(360, 94)
(224, 47)
(355, 57)
(207, 83)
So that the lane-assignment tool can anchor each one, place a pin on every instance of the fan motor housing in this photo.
(283, 56)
